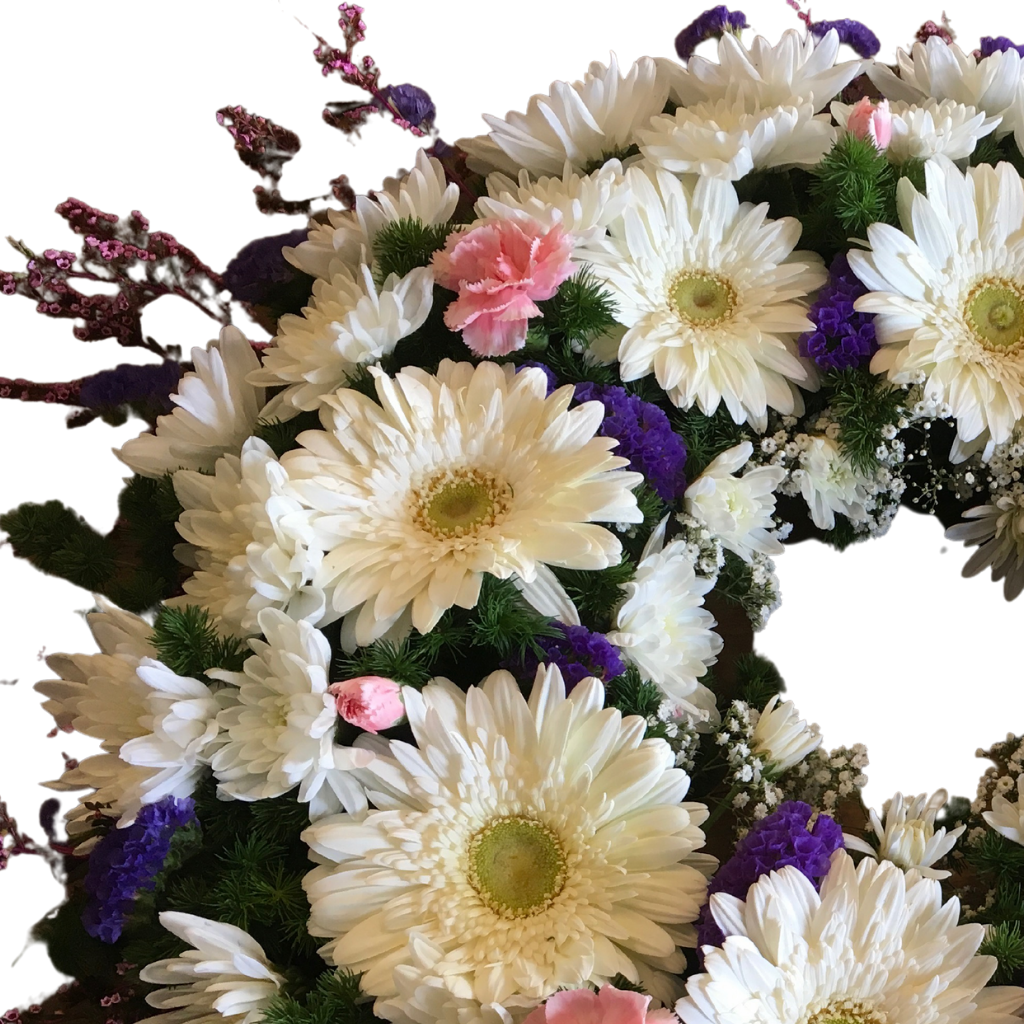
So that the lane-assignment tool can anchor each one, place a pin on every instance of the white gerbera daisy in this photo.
(998, 529)
(738, 510)
(664, 628)
(423, 194)
(224, 977)
(584, 123)
(864, 951)
(349, 323)
(217, 411)
(251, 541)
(451, 476)
(782, 737)
(929, 128)
(280, 732)
(1006, 817)
(909, 837)
(829, 483)
(537, 846)
(582, 204)
(710, 291)
(949, 291)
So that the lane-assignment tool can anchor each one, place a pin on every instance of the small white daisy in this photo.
(782, 737)
(829, 483)
(998, 529)
(1006, 817)
(663, 627)
(217, 411)
(712, 295)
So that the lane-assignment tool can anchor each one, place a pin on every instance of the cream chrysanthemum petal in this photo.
(782, 737)
(349, 323)
(998, 529)
(830, 483)
(863, 951)
(451, 476)
(949, 294)
(1007, 816)
(217, 411)
(251, 541)
(534, 845)
(713, 296)
(583, 123)
(423, 194)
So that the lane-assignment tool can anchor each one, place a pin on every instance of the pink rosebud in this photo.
(500, 269)
(868, 120)
(608, 1006)
(370, 702)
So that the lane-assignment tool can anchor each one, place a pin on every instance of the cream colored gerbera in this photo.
(584, 123)
(949, 294)
(451, 476)
(217, 411)
(349, 323)
(423, 194)
(998, 529)
(874, 946)
(534, 845)
(712, 294)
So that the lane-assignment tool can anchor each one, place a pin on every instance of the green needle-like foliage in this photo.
(758, 679)
(596, 591)
(406, 244)
(854, 184)
(336, 999)
(281, 434)
(633, 695)
(406, 662)
(706, 437)
(580, 310)
(862, 403)
(1006, 943)
(189, 644)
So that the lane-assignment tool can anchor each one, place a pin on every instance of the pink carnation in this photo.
(868, 120)
(370, 702)
(608, 1006)
(500, 269)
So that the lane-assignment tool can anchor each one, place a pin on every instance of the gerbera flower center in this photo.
(847, 1011)
(516, 865)
(702, 297)
(457, 502)
(994, 311)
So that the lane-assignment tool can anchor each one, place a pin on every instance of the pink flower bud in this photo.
(868, 120)
(370, 702)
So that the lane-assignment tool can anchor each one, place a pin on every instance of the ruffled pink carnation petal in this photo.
(370, 702)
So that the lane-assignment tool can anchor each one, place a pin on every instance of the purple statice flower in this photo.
(127, 860)
(645, 437)
(998, 44)
(842, 337)
(578, 654)
(410, 103)
(127, 384)
(548, 372)
(260, 268)
(774, 842)
(855, 34)
(712, 24)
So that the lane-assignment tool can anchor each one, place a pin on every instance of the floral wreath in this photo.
(426, 688)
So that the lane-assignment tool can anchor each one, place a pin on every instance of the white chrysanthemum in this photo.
(1006, 817)
(938, 70)
(874, 946)
(224, 979)
(949, 291)
(909, 837)
(798, 69)
(217, 411)
(929, 128)
(829, 483)
(710, 291)
(998, 529)
(664, 628)
(782, 737)
(251, 541)
(738, 510)
(583, 123)
(726, 139)
(451, 476)
(537, 846)
(582, 205)
(423, 194)
(349, 323)
(280, 732)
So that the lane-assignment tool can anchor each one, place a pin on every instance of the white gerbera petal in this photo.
(525, 847)
(471, 471)
(712, 295)
(1007, 817)
(217, 411)
(997, 528)
(782, 737)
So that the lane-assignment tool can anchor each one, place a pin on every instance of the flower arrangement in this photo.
(425, 688)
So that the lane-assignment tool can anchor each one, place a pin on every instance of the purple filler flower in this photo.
(411, 103)
(998, 44)
(645, 437)
(260, 266)
(127, 860)
(855, 34)
(127, 384)
(842, 337)
(712, 24)
(578, 654)
(774, 842)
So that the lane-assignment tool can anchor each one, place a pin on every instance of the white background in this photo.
(113, 101)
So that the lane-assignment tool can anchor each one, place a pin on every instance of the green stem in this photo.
(725, 803)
